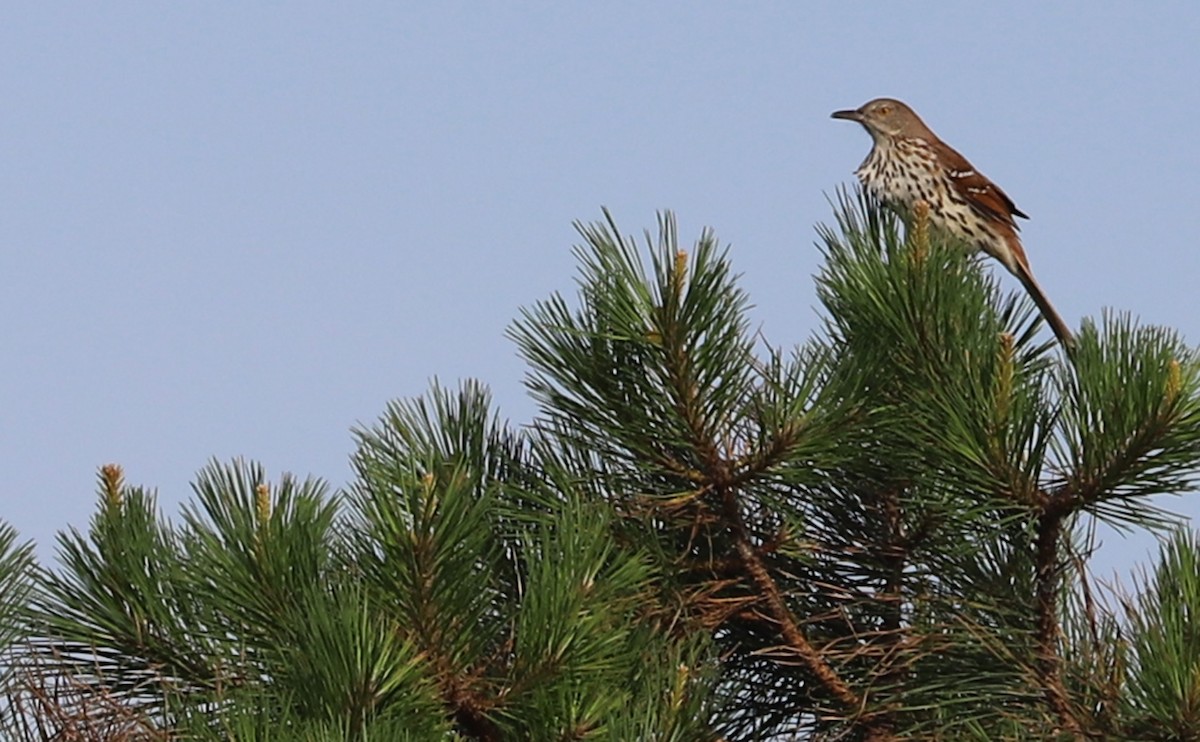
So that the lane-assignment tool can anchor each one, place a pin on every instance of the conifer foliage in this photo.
(882, 533)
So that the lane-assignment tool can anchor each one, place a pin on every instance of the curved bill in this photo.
(848, 115)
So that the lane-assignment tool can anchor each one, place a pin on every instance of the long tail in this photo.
(1012, 254)
(1048, 312)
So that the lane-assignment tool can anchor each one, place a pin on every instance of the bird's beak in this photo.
(848, 115)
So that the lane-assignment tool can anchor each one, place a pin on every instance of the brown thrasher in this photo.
(908, 163)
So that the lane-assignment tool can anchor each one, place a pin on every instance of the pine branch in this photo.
(1049, 570)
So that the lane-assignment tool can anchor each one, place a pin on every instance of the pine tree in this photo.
(880, 534)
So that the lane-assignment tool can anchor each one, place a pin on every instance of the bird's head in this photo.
(886, 118)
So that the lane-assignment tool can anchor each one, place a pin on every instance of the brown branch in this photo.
(723, 479)
(1048, 662)
(894, 558)
(875, 728)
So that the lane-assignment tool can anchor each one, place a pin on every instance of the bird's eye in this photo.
(885, 110)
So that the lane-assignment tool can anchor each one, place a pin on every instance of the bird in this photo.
(908, 163)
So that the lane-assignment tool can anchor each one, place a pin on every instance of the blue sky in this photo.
(239, 229)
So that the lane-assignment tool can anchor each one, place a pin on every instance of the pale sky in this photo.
(239, 229)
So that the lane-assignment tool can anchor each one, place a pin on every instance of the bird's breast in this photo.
(901, 174)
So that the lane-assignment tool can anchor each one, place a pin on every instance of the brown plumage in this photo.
(909, 163)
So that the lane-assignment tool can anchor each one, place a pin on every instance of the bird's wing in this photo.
(977, 190)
